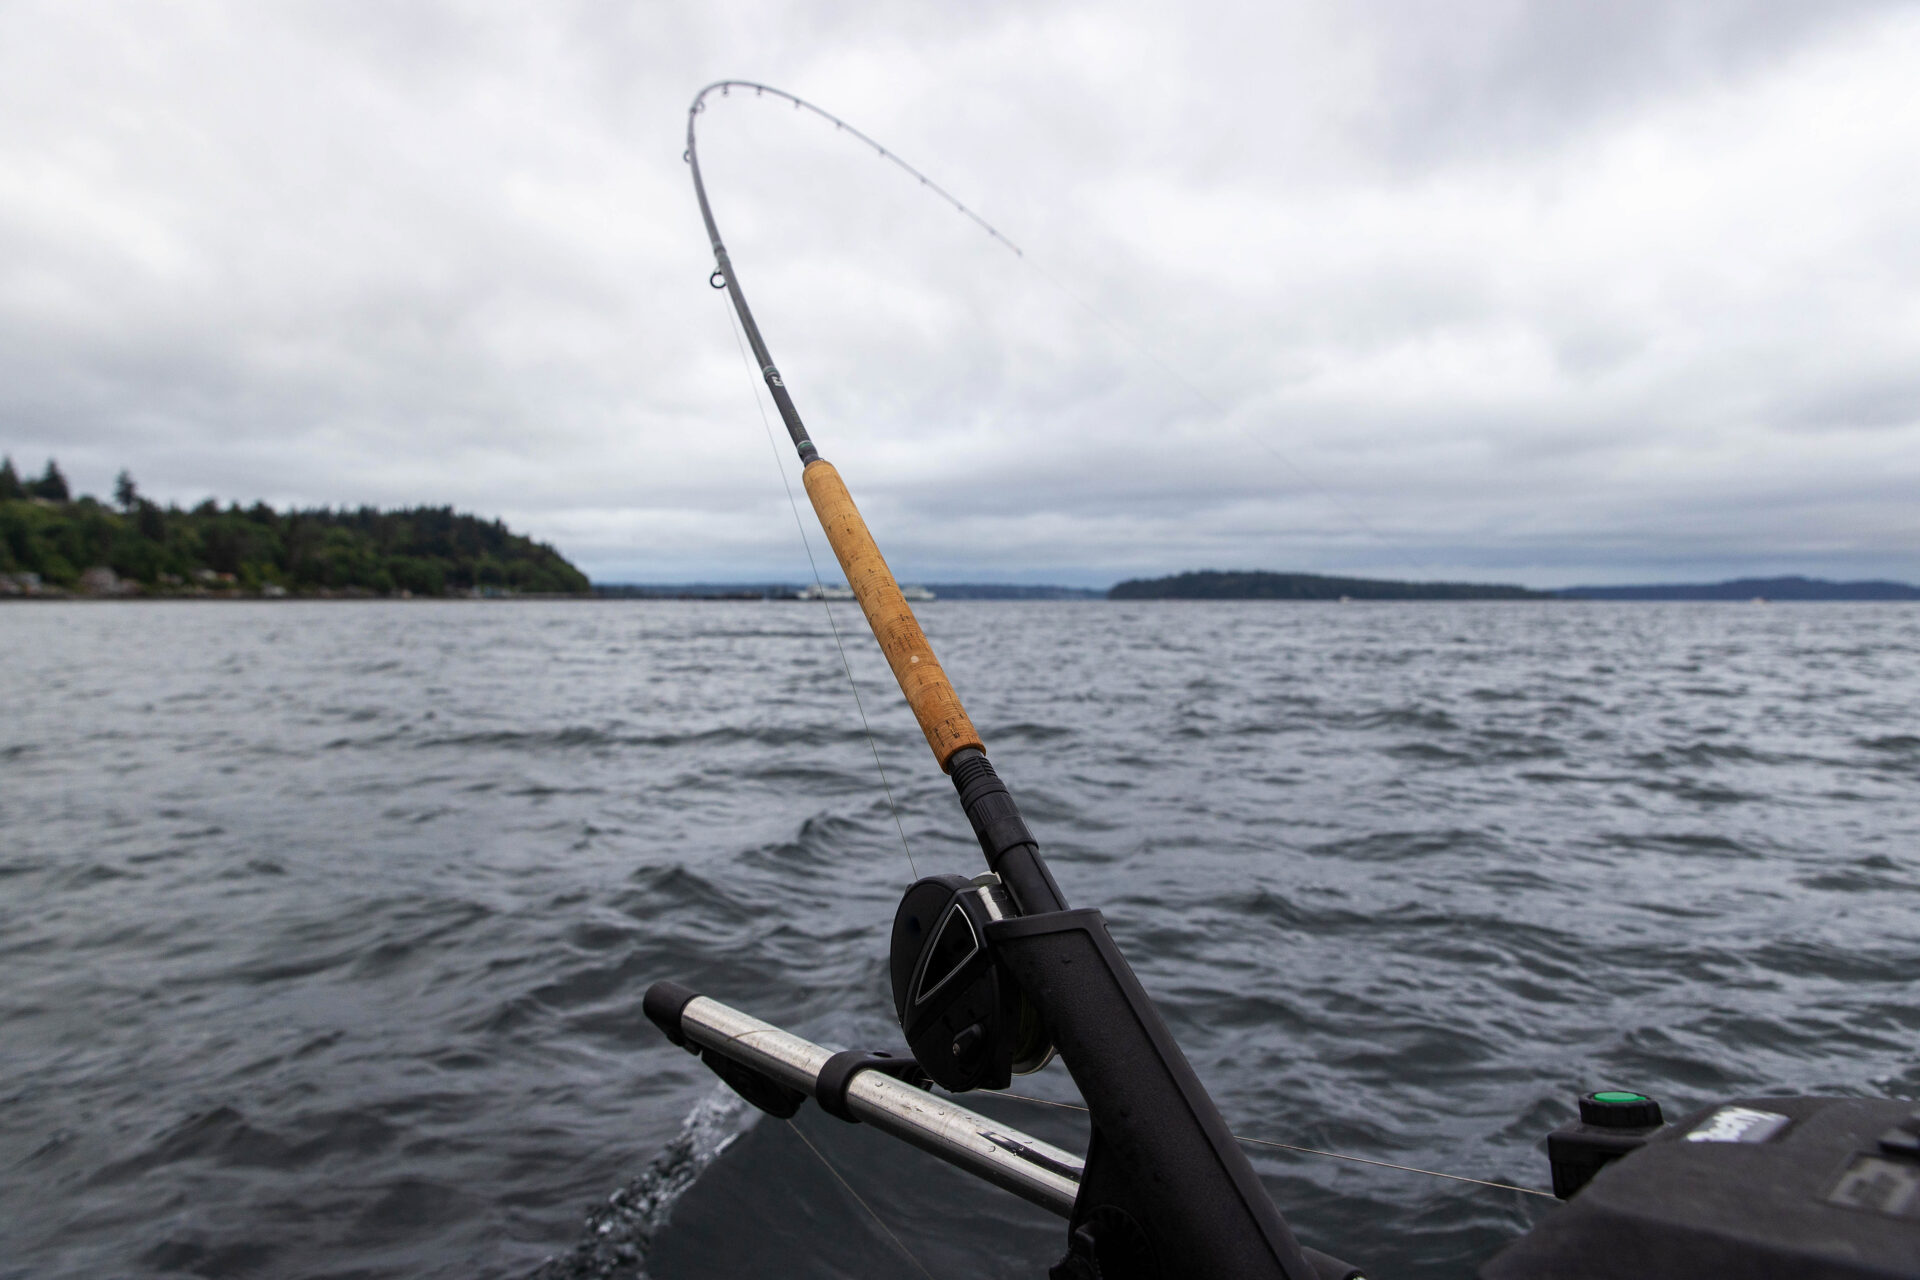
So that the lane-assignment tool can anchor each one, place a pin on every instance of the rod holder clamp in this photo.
(836, 1077)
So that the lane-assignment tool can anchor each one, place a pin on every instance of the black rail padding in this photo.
(663, 1004)
(1162, 1166)
(1759, 1188)
(830, 1089)
(1327, 1267)
(1012, 852)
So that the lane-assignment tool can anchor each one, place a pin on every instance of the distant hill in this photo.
(1008, 591)
(136, 547)
(1211, 585)
(1793, 588)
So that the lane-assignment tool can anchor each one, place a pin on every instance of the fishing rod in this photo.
(1012, 853)
(993, 975)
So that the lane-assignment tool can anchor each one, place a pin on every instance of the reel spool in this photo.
(965, 1018)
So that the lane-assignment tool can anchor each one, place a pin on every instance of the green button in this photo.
(1620, 1097)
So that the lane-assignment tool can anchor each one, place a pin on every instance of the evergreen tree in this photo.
(10, 486)
(125, 495)
(51, 485)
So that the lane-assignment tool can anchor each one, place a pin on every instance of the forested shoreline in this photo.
(54, 543)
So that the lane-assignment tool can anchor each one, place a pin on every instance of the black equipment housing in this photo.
(1606, 1130)
(1759, 1188)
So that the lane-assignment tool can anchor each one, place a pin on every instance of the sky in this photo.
(1541, 293)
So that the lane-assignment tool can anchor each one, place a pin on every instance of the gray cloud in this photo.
(1558, 292)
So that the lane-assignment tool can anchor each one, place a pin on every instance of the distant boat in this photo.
(820, 591)
(916, 594)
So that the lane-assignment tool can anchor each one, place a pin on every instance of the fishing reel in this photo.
(965, 1018)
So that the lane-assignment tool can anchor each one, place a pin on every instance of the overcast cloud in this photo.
(1529, 292)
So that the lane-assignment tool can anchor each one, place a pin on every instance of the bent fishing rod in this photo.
(994, 974)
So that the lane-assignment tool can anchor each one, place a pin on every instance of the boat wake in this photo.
(618, 1234)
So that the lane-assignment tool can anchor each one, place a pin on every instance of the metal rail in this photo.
(1036, 1171)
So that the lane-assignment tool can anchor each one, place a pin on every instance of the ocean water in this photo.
(323, 927)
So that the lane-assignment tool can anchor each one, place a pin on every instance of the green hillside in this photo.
(155, 550)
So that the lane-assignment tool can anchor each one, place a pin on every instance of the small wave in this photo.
(1836, 962)
(576, 737)
(1857, 879)
(1403, 846)
(1687, 844)
(618, 1234)
(1424, 718)
(222, 1135)
(191, 1254)
(1700, 793)
(93, 873)
(823, 840)
(1027, 731)
(670, 891)
(1707, 754)
(1429, 752)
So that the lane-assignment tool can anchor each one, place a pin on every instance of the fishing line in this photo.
(1315, 1151)
(859, 1200)
(825, 603)
(1112, 326)
(1388, 1164)
(800, 103)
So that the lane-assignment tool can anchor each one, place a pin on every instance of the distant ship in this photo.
(820, 591)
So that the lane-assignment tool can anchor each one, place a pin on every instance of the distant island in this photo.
(1209, 584)
(52, 543)
(1010, 591)
(1794, 588)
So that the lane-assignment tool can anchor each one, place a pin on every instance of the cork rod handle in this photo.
(935, 705)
